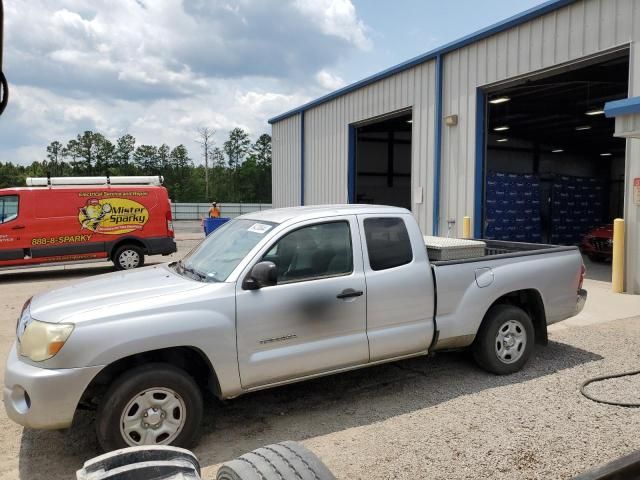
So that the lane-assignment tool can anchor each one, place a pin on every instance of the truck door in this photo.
(314, 319)
(400, 291)
(12, 227)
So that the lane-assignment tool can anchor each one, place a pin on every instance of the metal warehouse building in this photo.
(513, 125)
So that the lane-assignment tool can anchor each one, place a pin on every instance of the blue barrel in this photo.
(210, 224)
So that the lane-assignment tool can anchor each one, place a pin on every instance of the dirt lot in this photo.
(424, 418)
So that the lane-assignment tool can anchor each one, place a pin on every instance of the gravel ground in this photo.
(437, 418)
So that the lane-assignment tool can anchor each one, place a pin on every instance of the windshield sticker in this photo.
(260, 228)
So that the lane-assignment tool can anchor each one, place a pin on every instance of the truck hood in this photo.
(109, 290)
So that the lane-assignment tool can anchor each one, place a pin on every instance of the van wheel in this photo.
(154, 404)
(505, 340)
(128, 257)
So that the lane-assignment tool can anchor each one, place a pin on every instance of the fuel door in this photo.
(484, 277)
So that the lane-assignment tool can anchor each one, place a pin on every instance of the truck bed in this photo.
(499, 249)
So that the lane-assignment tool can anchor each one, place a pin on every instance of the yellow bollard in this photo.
(617, 265)
(466, 227)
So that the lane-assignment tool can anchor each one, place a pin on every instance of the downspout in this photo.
(302, 158)
(437, 151)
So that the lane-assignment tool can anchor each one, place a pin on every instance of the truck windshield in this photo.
(221, 252)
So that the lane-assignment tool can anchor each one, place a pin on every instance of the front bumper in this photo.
(582, 299)
(43, 398)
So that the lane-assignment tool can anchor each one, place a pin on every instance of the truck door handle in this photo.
(349, 292)
(18, 227)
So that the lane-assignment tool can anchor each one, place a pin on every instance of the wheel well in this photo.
(127, 241)
(190, 359)
(530, 301)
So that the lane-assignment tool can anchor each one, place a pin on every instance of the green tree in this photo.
(145, 158)
(261, 150)
(237, 146)
(55, 157)
(125, 146)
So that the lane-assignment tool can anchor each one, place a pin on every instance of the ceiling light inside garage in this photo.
(501, 140)
(583, 127)
(409, 121)
(557, 150)
(499, 100)
(606, 154)
(597, 111)
(501, 129)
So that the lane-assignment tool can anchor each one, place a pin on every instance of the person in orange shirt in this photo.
(214, 211)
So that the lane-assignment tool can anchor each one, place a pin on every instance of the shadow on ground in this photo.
(307, 409)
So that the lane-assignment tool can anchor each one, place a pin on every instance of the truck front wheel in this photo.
(154, 404)
(505, 340)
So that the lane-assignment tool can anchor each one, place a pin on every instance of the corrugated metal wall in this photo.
(286, 162)
(579, 30)
(326, 135)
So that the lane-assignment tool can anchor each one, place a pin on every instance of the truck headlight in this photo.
(41, 341)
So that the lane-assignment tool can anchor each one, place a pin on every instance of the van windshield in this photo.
(221, 252)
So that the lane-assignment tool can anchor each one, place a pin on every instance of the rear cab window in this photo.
(8, 208)
(388, 242)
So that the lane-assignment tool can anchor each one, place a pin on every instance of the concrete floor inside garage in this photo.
(553, 169)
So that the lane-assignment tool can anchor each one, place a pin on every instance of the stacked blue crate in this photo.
(512, 207)
(577, 206)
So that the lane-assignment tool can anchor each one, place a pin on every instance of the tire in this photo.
(128, 257)
(145, 389)
(276, 462)
(505, 340)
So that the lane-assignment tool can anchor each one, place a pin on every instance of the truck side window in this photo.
(8, 208)
(316, 251)
(387, 242)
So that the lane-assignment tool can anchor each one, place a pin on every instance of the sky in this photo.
(161, 69)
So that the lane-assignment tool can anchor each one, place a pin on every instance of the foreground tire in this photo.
(276, 462)
(128, 257)
(155, 404)
(505, 340)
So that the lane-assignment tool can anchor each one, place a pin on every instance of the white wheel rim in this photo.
(153, 417)
(511, 341)
(129, 259)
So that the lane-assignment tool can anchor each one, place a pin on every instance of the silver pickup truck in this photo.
(271, 298)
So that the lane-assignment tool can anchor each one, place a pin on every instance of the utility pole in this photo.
(206, 142)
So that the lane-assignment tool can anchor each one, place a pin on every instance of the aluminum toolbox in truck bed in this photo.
(443, 248)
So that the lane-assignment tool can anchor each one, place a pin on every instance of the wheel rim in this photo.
(129, 259)
(153, 417)
(511, 341)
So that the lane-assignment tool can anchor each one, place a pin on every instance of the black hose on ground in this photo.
(609, 377)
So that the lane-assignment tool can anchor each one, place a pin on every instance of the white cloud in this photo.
(337, 17)
(329, 81)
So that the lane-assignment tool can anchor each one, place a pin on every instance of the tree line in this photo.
(238, 171)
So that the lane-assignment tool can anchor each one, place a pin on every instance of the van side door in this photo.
(314, 319)
(400, 291)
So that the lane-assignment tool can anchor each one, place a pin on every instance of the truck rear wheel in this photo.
(276, 462)
(154, 404)
(128, 257)
(505, 340)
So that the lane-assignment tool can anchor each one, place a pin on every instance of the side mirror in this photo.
(263, 274)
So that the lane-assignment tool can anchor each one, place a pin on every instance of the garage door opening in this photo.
(554, 172)
(383, 162)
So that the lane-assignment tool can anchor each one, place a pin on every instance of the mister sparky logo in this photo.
(112, 216)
